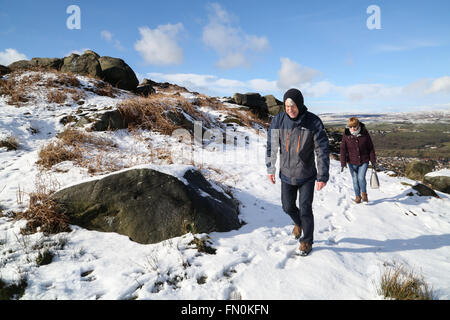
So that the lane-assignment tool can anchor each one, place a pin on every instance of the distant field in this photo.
(422, 140)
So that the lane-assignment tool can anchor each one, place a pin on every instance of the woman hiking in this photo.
(357, 150)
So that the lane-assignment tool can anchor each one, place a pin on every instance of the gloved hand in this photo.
(342, 169)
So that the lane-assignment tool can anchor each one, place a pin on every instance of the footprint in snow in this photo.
(332, 241)
(289, 255)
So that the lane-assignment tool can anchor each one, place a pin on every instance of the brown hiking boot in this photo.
(305, 248)
(297, 231)
(357, 199)
(364, 197)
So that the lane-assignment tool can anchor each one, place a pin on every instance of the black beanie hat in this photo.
(295, 95)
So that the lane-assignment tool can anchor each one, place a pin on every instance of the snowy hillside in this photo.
(397, 117)
(353, 244)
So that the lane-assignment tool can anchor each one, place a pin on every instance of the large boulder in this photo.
(416, 170)
(144, 90)
(440, 183)
(44, 63)
(254, 101)
(110, 120)
(118, 73)
(87, 64)
(4, 70)
(47, 63)
(425, 191)
(20, 65)
(250, 99)
(149, 206)
(274, 105)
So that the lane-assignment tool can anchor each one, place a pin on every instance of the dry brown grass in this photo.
(68, 80)
(78, 95)
(248, 118)
(14, 89)
(17, 86)
(245, 117)
(56, 96)
(10, 143)
(56, 152)
(153, 112)
(400, 284)
(76, 137)
(43, 214)
(206, 101)
(84, 149)
(103, 88)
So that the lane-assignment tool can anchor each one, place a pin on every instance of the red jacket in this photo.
(357, 150)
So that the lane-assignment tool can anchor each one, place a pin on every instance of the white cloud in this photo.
(263, 85)
(256, 43)
(440, 85)
(76, 51)
(232, 60)
(108, 36)
(214, 86)
(224, 35)
(293, 75)
(11, 55)
(159, 46)
(406, 45)
(318, 89)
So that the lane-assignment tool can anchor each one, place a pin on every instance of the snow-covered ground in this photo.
(439, 173)
(441, 116)
(353, 244)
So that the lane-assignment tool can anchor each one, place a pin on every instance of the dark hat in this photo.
(295, 95)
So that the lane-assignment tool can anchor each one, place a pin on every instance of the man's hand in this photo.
(320, 185)
(272, 178)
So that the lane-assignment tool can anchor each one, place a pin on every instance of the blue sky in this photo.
(324, 48)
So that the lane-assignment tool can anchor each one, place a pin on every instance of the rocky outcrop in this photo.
(416, 170)
(86, 65)
(440, 183)
(149, 206)
(262, 106)
(4, 70)
(19, 65)
(110, 120)
(113, 70)
(254, 101)
(146, 88)
(424, 191)
(274, 105)
(47, 63)
(118, 73)
(334, 141)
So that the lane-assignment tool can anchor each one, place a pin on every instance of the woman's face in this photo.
(353, 128)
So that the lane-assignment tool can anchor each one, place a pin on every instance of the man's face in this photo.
(291, 109)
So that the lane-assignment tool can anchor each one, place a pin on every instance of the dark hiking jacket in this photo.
(298, 140)
(357, 149)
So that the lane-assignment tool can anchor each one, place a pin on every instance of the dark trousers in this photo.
(301, 215)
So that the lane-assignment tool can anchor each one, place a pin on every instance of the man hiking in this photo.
(298, 134)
